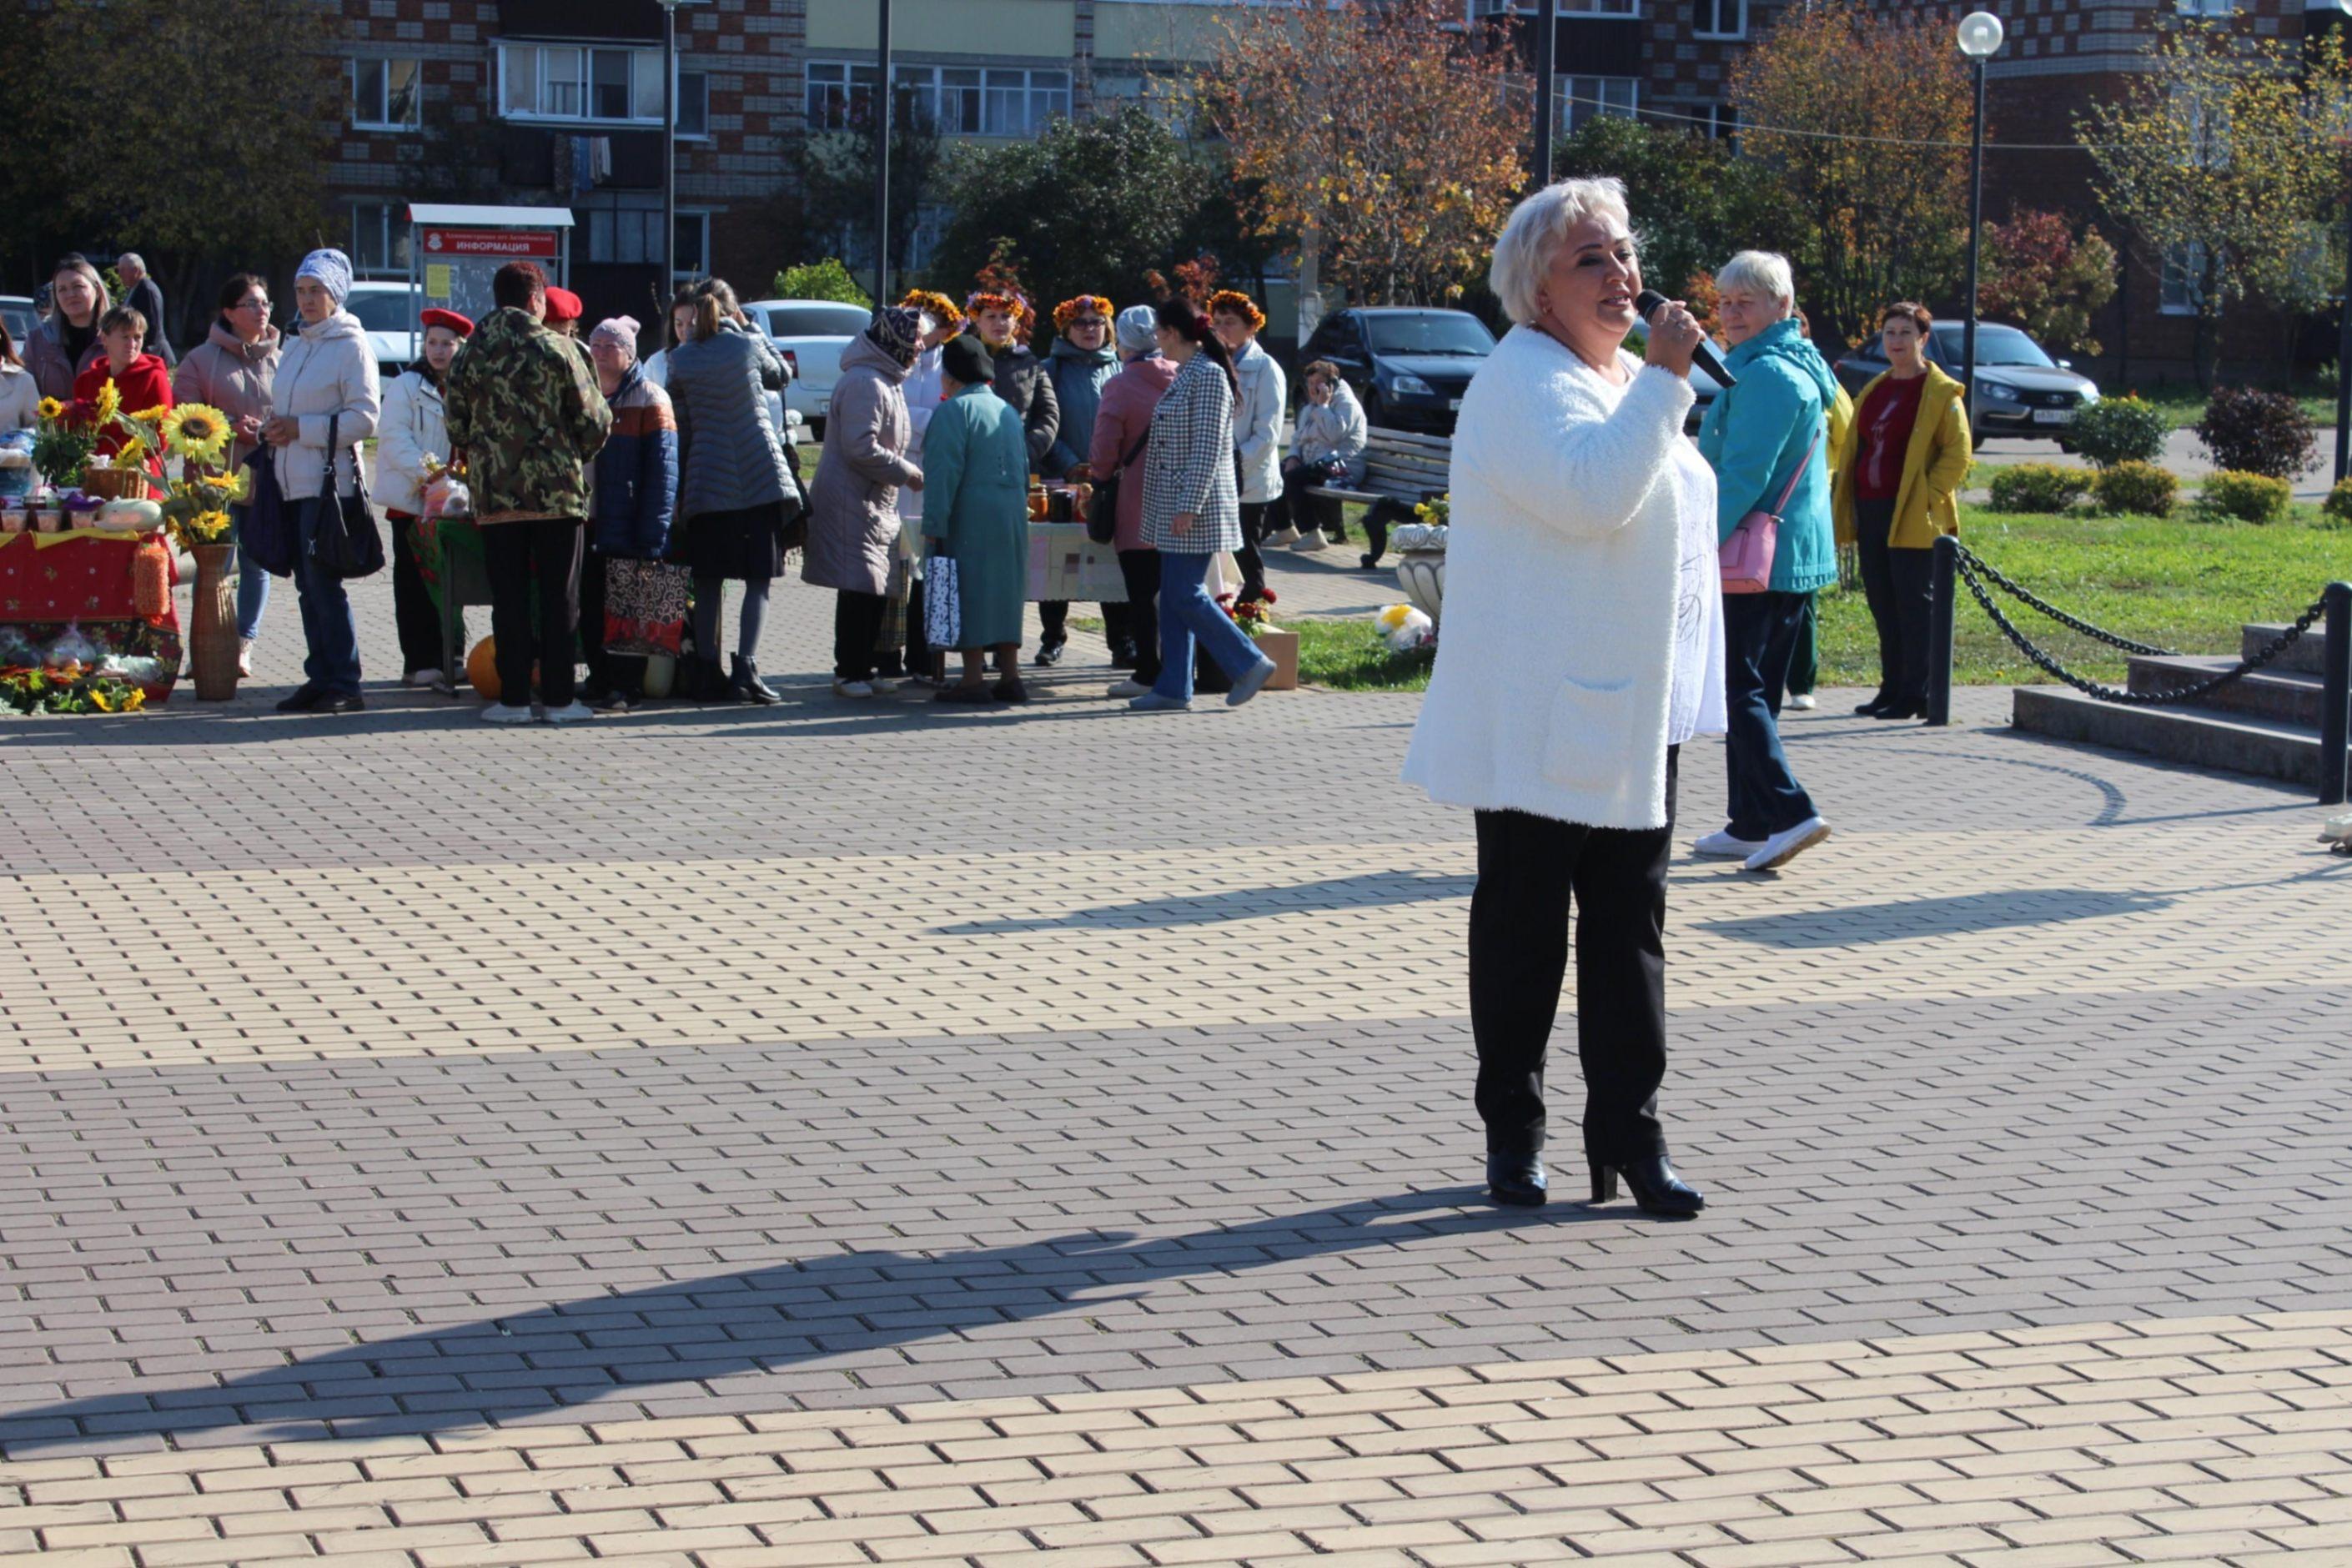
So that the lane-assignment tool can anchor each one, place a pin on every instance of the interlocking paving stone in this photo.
(836, 1133)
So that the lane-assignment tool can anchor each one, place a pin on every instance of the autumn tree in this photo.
(2041, 275)
(2225, 159)
(1879, 204)
(192, 131)
(1376, 132)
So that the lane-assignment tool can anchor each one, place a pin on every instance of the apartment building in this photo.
(558, 102)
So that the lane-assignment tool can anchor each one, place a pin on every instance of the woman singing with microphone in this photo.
(1583, 645)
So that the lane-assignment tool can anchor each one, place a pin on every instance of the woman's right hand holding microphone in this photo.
(1673, 337)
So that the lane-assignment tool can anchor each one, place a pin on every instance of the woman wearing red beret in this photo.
(410, 432)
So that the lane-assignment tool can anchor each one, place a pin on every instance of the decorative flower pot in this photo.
(212, 639)
(1281, 646)
(1421, 565)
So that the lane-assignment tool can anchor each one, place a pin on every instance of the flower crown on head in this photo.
(1234, 302)
(1069, 310)
(938, 307)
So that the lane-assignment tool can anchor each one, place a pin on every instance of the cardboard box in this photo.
(1065, 565)
(1283, 648)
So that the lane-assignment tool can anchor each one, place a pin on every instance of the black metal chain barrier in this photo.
(1970, 564)
(2071, 623)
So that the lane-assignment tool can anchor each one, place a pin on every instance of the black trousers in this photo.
(1142, 570)
(419, 623)
(1252, 564)
(520, 555)
(1899, 585)
(856, 624)
(1529, 868)
(1053, 622)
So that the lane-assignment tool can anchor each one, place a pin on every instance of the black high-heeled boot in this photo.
(1517, 1179)
(746, 685)
(1656, 1188)
(1872, 709)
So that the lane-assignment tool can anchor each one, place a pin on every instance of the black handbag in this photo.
(266, 536)
(1102, 506)
(345, 543)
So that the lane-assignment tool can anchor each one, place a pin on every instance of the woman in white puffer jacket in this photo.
(412, 435)
(1257, 425)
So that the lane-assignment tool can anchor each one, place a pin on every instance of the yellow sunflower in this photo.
(197, 432)
(232, 486)
(108, 404)
(151, 416)
(133, 452)
(52, 410)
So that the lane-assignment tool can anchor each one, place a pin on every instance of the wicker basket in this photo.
(115, 484)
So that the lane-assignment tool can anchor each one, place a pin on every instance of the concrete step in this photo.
(2291, 698)
(2303, 659)
(2232, 742)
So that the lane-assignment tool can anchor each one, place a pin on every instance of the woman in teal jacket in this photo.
(976, 512)
(1774, 423)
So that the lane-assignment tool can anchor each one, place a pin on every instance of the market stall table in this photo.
(84, 581)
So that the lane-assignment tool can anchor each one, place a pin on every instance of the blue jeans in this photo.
(252, 584)
(328, 632)
(1186, 611)
(1760, 638)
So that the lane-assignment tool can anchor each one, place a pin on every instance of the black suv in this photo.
(1410, 365)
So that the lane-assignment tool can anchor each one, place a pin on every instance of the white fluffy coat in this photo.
(1554, 661)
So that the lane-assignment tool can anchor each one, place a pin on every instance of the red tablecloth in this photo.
(82, 577)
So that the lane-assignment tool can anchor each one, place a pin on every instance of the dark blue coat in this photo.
(637, 473)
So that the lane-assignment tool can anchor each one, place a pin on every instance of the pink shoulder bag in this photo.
(1747, 555)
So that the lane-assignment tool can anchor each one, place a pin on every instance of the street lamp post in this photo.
(669, 159)
(1547, 78)
(1979, 38)
(2344, 344)
(882, 106)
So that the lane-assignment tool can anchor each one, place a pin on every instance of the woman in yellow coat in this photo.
(1900, 465)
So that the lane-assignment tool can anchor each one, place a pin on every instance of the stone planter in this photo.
(1420, 566)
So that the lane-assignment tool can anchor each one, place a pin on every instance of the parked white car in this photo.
(16, 311)
(388, 312)
(810, 335)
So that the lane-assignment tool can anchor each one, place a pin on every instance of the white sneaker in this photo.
(1130, 686)
(1308, 543)
(506, 713)
(1721, 846)
(1802, 701)
(853, 688)
(1786, 845)
(882, 685)
(1283, 535)
(573, 713)
(245, 657)
(422, 678)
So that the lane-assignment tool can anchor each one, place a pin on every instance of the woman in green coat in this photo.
(976, 512)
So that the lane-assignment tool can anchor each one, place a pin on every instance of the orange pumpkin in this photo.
(482, 670)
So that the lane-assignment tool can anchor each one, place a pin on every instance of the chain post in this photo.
(1943, 568)
(2336, 694)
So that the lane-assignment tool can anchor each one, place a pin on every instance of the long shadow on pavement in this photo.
(1371, 889)
(776, 1316)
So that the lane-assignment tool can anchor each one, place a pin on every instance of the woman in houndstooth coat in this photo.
(1192, 511)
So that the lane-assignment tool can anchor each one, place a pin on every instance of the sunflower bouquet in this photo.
(195, 505)
(61, 445)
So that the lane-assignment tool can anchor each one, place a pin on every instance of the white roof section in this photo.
(489, 218)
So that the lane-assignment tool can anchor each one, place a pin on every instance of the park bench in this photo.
(1402, 470)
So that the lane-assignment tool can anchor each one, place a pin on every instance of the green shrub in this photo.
(827, 279)
(2338, 504)
(2140, 488)
(2249, 498)
(2248, 431)
(2037, 487)
(2119, 430)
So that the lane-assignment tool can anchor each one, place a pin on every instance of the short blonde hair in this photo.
(1537, 227)
(1765, 273)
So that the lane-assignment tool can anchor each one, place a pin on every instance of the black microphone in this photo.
(1704, 357)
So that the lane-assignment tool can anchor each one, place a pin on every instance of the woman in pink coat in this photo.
(1122, 425)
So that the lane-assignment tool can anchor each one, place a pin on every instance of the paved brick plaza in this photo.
(853, 1134)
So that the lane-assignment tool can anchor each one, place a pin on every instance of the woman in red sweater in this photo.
(140, 380)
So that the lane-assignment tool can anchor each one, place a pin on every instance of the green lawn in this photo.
(2178, 583)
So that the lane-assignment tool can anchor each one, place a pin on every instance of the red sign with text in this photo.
(514, 243)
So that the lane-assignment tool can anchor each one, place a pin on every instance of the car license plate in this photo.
(2053, 417)
(1454, 405)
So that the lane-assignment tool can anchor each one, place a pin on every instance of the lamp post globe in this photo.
(1979, 36)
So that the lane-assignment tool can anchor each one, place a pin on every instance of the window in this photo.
(2182, 289)
(387, 95)
(631, 236)
(1018, 103)
(839, 95)
(616, 87)
(2207, 7)
(960, 100)
(1720, 18)
(380, 238)
(1722, 123)
(1582, 97)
